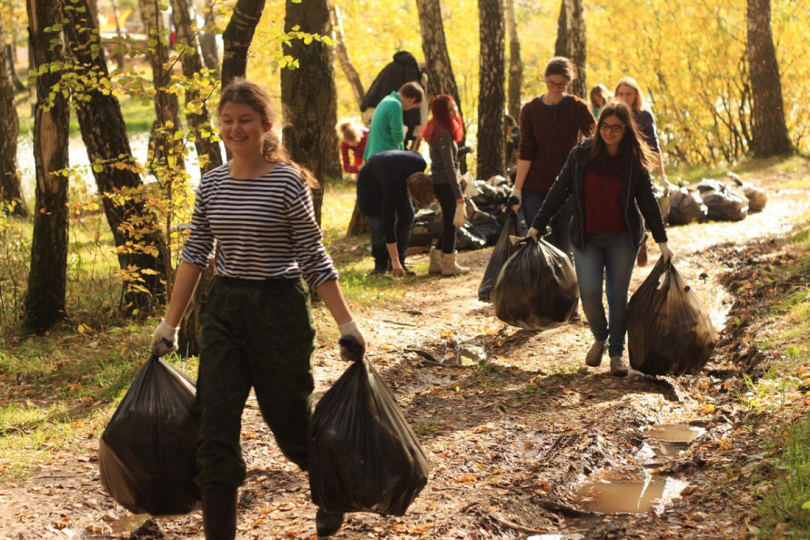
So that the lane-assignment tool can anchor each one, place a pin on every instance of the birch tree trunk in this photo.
(769, 131)
(47, 279)
(492, 94)
(515, 63)
(571, 41)
(343, 55)
(238, 36)
(10, 190)
(434, 44)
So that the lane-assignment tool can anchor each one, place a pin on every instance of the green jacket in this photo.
(386, 131)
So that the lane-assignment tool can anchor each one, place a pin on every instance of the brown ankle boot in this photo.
(219, 512)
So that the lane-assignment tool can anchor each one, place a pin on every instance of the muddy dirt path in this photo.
(511, 444)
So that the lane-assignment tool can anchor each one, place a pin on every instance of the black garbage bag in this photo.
(537, 287)
(725, 205)
(487, 226)
(364, 457)
(685, 206)
(668, 330)
(468, 239)
(756, 196)
(147, 453)
(427, 225)
(503, 250)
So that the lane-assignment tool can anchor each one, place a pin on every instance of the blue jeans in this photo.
(404, 224)
(615, 255)
(560, 236)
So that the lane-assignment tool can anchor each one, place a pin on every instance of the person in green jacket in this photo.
(387, 131)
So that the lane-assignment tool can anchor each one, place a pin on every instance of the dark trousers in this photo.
(255, 334)
(447, 240)
(560, 236)
(404, 225)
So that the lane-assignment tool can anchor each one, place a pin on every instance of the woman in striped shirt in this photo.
(256, 322)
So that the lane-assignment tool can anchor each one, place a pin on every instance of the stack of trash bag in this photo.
(503, 250)
(427, 227)
(468, 238)
(147, 453)
(685, 206)
(364, 457)
(724, 203)
(668, 330)
(756, 196)
(537, 287)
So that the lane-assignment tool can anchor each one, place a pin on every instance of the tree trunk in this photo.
(769, 131)
(104, 134)
(208, 43)
(47, 280)
(434, 44)
(309, 95)
(167, 106)
(200, 121)
(237, 38)
(9, 131)
(515, 63)
(11, 56)
(492, 94)
(119, 56)
(571, 41)
(343, 55)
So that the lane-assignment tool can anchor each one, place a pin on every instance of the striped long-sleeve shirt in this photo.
(265, 228)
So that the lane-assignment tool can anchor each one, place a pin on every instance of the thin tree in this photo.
(343, 54)
(571, 41)
(196, 108)
(237, 38)
(10, 191)
(515, 62)
(47, 279)
(208, 42)
(492, 92)
(770, 134)
(119, 55)
(434, 44)
(309, 95)
(104, 134)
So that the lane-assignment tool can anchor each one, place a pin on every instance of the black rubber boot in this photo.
(327, 524)
(219, 513)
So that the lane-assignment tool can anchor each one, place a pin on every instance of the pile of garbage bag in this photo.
(724, 203)
(364, 457)
(713, 199)
(669, 331)
(756, 196)
(537, 287)
(685, 206)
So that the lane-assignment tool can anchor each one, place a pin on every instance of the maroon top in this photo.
(603, 200)
(548, 133)
(351, 166)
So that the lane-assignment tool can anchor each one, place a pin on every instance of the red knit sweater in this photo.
(603, 200)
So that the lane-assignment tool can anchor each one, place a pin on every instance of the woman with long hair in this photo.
(609, 179)
(443, 132)
(630, 92)
(599, 97)
(257, 329)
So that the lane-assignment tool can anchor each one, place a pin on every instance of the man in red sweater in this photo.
(550, 126)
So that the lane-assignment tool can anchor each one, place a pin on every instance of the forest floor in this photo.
(526, 442)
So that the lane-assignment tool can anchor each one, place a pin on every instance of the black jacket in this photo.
(637, 197)
(403, 69)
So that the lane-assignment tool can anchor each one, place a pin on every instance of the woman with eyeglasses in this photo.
(550, 126)
(607, 177)
(629, 91)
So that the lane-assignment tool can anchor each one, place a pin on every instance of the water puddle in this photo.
(650, 494)
(128, 524)
(672, 439)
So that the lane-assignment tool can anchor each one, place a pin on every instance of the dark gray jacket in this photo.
(637, 198)
(444, 167)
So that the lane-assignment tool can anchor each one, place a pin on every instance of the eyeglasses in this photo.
(615, 128)
(559, 86)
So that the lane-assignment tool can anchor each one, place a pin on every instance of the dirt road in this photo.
(512, 442)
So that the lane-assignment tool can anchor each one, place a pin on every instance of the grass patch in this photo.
(138, 116)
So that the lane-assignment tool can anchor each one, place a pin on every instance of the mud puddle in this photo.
(650, 494)
(672, 439)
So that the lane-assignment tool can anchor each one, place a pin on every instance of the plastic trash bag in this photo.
(364, 457)
(468, 239)
(756, 196)
(685, 206)
(537, 287)
(503, 250)
(147, 453)
(723, 204)
(668, 330)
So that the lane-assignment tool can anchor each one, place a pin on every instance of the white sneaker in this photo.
(595, 353)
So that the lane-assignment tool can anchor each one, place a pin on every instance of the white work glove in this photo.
(515, 199)
(534, 234)
(349, 353)
(666, 253)
(461, 215)
(164, 339)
